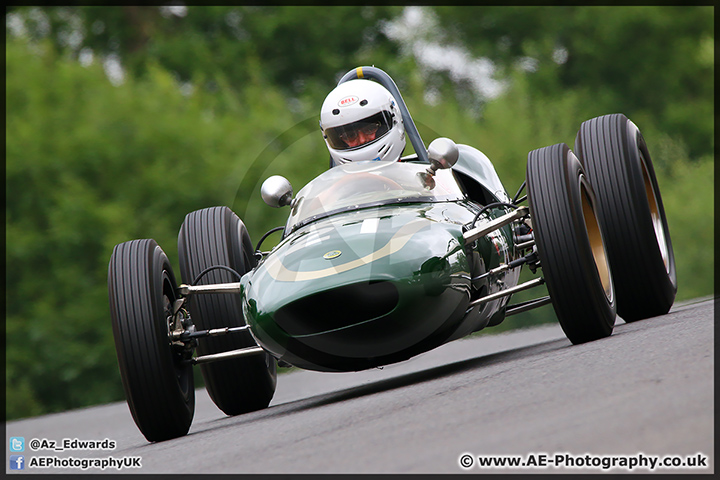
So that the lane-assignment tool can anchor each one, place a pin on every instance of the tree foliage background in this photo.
(121, 120)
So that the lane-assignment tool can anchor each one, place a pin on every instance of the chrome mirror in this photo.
(276, 191)
(442, 153)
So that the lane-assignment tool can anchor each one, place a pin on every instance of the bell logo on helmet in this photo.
(348, 101)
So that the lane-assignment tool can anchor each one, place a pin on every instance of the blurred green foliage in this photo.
(215, 100)
(655, 59)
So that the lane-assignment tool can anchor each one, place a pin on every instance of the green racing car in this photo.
(381, 261)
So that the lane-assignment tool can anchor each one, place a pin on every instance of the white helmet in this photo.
(360, 120)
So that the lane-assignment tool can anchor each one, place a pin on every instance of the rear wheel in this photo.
(616, 158)
(570, 244)
(157, 379)
(217, 237)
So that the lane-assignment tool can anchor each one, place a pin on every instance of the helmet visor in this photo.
(359, 133)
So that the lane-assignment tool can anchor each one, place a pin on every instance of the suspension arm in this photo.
(477, 232)
(241, 352)
(187, 335)
(232, 287)
(504, 293)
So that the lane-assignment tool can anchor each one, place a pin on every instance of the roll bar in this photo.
(387, 82)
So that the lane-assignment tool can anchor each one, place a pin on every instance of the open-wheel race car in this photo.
(381, 261)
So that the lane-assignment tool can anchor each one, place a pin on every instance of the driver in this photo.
(360, 120)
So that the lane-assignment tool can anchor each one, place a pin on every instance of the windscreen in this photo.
(360, 184)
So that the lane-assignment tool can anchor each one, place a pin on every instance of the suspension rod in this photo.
(242, 352)
(232, 287)
(507, 266)
(525, 245)
(509, 291)
(186, 335)
(492, 225)
(525, 306)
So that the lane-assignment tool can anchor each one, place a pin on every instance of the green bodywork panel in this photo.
(365, 286)
(373, 267)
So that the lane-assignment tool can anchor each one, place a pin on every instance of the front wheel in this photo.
(209, 238)
(616, 158)
(157, 379)
(570, 244)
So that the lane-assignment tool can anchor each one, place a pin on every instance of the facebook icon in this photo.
(17, 462)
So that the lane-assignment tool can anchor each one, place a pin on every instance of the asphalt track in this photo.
(647, 391)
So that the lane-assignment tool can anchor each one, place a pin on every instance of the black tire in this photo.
(158, 385)
(570, 244)
(617, 161)
(210, 237)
